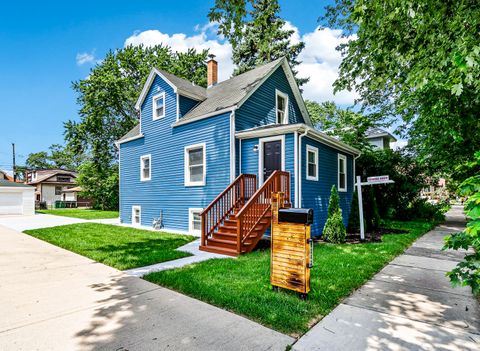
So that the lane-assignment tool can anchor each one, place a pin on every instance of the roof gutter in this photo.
(117, 143)
(211, 114)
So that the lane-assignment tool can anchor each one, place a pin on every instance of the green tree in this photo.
(334, 229)
(467, 272)
(349, 126)
(107, 100)
(354, 217)
(256, 32)
(418, 60)
(39, 160)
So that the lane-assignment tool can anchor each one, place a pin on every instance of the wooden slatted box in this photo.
(290, 254)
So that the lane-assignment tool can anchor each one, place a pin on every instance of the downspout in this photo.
(232, 146)
(300, 167)
(295, 167)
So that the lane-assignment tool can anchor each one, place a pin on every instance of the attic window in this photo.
(158, 106)
(281, 101)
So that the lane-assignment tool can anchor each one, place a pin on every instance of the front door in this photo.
(272, 157)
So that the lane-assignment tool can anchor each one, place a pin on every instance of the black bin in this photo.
(296, 215)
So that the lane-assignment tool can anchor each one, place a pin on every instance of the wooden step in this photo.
(227, 244)
(227, 229)
(219, 250)
(224, 236)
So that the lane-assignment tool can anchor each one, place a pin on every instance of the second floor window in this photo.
(281, 107)
(145, 168)
(159, 106)
(195, 165)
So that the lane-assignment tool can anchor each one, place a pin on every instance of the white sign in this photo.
(378, 179)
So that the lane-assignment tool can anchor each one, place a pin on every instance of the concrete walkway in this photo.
(409, 305)
(191, 247)
(52, 299)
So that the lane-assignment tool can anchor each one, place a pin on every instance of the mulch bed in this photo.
(372, 237)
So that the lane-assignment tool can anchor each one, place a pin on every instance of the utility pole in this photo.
(14, 167)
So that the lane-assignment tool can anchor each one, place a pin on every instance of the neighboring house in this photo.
(222, 150)
(380, 138)
(51, 185)
(16, 198)
(4, 176)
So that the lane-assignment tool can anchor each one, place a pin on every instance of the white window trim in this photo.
(142, 178)
(262, 141)
(139, 208)
(344, 158)
(313, 149)
(190, 220)
(187, 168)
(285, 115)
(154, 106)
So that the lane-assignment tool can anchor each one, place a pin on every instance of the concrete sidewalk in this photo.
(409, 305)
(53, 299)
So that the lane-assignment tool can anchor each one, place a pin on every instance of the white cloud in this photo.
(398, 144)
(181, 42)
(320, 60)
(85, 57)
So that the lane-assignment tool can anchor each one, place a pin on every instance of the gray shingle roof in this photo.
(135, 131)
(230, 92)
(379, 132)
(6, 183)
(185, 85)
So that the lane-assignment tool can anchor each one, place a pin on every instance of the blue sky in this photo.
(40, 43)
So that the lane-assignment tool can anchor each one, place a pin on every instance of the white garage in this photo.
(16, 198)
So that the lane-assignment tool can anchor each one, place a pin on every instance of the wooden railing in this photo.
(259, 205)
(234, 196)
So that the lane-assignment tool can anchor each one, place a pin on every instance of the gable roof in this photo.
(132, 134)
(46, 174)
(232, 93)
(179, 85)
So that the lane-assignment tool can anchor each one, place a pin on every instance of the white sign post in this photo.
(370, 181)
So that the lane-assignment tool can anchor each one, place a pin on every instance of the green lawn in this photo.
(242, 285)
(81, 213)
(119, 247)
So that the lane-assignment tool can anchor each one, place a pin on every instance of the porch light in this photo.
(255, 148)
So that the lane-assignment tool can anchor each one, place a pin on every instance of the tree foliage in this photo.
(349, 126)
(467, 272)
(256, 32)
(107, 100)
(419, 60)
(59, 156)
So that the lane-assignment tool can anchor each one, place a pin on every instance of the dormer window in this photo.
(281, 107)
(158, 106)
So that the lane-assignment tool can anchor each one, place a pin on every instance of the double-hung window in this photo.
(145, 168)
(195, 169)
(281, 101)
(158, 106)
(342, 173)
(312, 163)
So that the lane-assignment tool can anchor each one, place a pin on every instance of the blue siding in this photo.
(185, 105)
(250, 159)
(259, 109)
(166, 190)
(316, 194)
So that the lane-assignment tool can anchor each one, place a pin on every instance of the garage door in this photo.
(11, 203)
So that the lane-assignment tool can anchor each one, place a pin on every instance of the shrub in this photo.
(334, 229)
(423, 210)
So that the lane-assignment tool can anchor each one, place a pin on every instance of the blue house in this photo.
(206, 160)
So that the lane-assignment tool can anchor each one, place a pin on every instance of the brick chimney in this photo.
(212, 71)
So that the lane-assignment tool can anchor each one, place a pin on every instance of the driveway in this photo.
(409, 305)
(53, 299)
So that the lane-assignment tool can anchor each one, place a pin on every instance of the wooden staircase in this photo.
(236, 220)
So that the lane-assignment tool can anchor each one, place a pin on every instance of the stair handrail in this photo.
(235, 194)
(259, 204)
